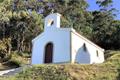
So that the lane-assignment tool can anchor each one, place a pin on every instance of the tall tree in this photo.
(18, 24)
(103, 28)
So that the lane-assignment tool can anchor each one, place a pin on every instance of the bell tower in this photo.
(52, 21)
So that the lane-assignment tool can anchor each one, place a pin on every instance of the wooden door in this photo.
(48, 53)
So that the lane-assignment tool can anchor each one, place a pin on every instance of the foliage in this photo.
(43, 72)
(104, 26)
(19, 59)
(105, 30)
(20, 25)
(109, 70)
(15, 60)
(104, 3)
(76, 15)
(5, 48)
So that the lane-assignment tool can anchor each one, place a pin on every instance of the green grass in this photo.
(109, 70)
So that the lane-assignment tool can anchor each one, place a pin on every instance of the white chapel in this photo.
(63, 45)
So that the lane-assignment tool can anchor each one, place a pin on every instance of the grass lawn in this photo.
(109, 70)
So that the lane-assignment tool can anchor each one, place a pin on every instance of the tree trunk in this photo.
(22, 44)
(18, 44)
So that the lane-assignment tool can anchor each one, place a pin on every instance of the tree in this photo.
(103, 28)
(74, 11)
(115, 37)
(19, 25)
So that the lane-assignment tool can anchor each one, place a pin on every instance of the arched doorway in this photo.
(48, 53)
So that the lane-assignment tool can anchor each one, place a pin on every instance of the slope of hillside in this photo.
(109, 70)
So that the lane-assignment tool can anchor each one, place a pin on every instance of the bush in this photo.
(44, 73)
(19, 58)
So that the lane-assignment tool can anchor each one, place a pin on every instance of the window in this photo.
(97, 54)
(50, 22)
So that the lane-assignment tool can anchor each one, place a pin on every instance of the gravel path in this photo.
(13, 71)
(10, 71)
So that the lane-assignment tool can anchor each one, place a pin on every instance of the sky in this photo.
(93, 6)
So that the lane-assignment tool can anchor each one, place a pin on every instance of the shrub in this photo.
(44, 73)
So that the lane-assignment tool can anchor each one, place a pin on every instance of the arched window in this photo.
(50, 22)
(48, 53)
